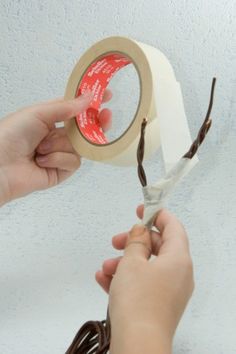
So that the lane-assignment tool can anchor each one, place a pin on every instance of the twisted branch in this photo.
(140, 154)
(204, 128)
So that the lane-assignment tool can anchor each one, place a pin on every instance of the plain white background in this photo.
(52, 242)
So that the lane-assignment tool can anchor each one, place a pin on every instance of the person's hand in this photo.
(34, 154)
(148, 298)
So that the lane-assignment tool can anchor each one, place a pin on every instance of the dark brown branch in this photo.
(93, 338)
(204, 128)
(140, 154)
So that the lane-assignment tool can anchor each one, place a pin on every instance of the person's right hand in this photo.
(34, 153)
(148, 298)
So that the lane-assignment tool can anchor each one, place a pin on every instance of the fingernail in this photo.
(42, 159)
(46, 145)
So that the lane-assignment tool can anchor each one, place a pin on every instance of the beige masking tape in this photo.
(160, 102)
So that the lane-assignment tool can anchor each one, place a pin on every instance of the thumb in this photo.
(138, 243)
(63, 110)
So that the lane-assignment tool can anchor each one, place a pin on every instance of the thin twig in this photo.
(140, 154)
(204, 128)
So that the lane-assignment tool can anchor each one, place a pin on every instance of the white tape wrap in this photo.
(155, 195)
(160, 102)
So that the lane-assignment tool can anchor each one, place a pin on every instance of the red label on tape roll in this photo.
(96, 79)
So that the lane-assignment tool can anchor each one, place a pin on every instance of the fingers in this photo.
(57, 139)
(105, 116)
(55, 144)
(60, 160)
(107, 96)
(174, 237)
(110, 265)
(138, 243)
(54, 100)
(103, 280)
(139, 211)
(104, 276)
(61, 111)
(119, 241)
(105, 119)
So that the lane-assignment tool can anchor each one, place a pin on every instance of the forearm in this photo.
(139, 339)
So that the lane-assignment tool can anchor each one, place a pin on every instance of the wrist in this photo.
(139, 338)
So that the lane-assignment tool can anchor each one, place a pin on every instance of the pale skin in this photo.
(34, 155)
(146, 298)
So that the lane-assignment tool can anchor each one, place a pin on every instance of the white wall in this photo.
(52, 242)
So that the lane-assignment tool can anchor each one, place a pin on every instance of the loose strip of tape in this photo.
(160, 101)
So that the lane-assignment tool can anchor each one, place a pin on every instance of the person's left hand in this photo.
(34, 154)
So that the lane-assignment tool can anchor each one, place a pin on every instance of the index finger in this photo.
(62, 110)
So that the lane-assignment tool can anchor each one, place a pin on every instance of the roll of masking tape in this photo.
(160, 102)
